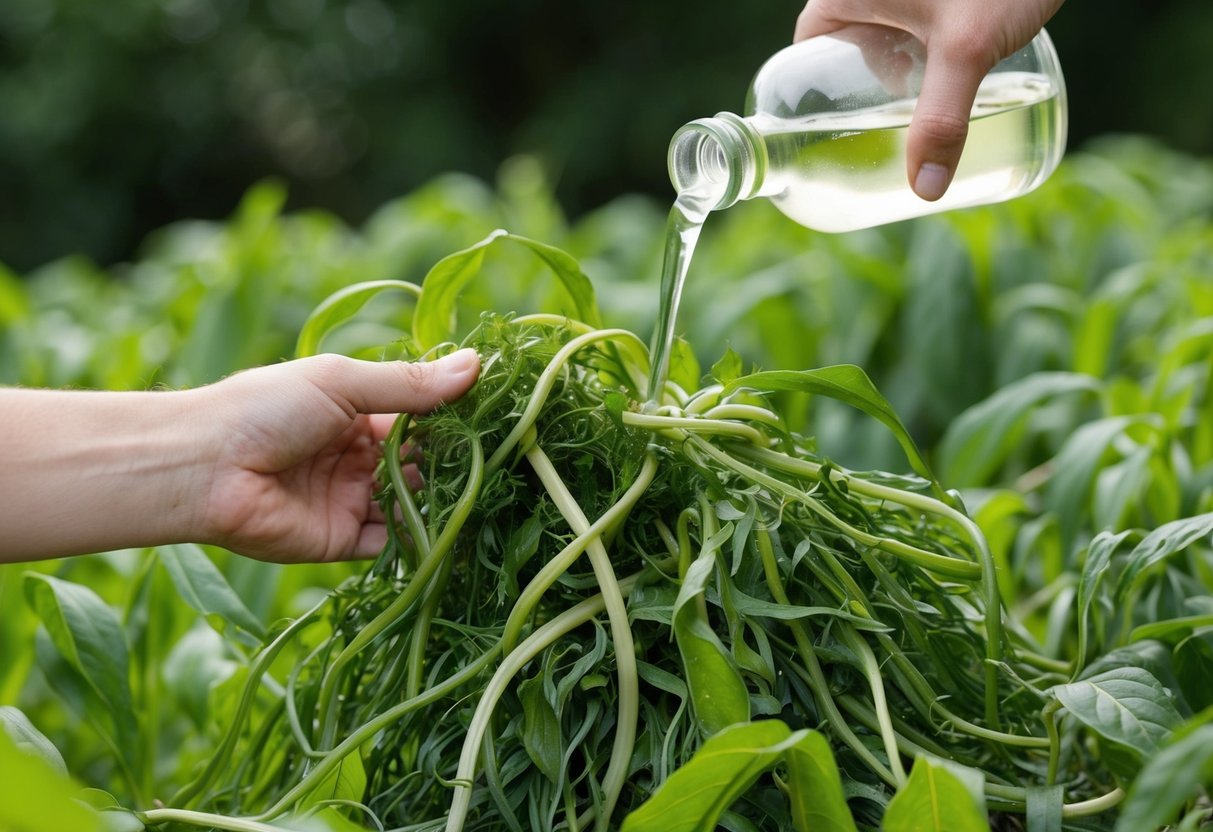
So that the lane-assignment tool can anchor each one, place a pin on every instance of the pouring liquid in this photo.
(847, 172)
(682, 229)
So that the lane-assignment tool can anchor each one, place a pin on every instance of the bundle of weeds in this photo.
(590, 584)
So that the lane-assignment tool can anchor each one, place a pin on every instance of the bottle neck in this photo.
(716, 162)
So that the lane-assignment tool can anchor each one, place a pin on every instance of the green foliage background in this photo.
(117, 118)
(1053, 356)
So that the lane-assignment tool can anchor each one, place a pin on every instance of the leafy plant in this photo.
(1047, 671)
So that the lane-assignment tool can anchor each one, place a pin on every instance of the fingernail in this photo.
(459, 363)
(931, 182)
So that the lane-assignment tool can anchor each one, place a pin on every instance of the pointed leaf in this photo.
(36, 798)
(1160, 544)
(1175, 775)
(934, 799)
(718, 693)
(434, 319)
(815, 787)
(203, 587)
(1099, 556)
(977, 443)
(541, 733)
(29, 739)
(340, 307)
(88, 634)
(848, 384)
(1126, 705)
(1075, 465)
(695, 796)
(729, 368)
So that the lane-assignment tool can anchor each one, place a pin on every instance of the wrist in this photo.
(93, 471)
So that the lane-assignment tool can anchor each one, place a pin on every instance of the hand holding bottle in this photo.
(964, 40)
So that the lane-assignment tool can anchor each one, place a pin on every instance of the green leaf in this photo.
(683, 366)
(346, 782)
(340, 307)
(1194, 668)
(88, 634)
(34, 797)
(1160, 544)
(977, 443)
(1099, 556)
(695, 796)
(1075, 465)
(1125, 705)
(1169, 779)
(729, 368)
(434, 319)
(541, 734)
(197, 664)
(203, 587)
(944, 342)
(29, 739)
(1119, 486)
(848, 384)
(751, 607)
(113, 815)
(934, 799)
(1044, 810)
(718, 693)
(815, 787)
(1173, 629)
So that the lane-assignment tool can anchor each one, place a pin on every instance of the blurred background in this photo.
(117, 118)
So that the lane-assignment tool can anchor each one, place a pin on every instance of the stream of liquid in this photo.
(844, 172)
(682, 229)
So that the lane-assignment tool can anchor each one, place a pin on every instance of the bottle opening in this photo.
(699, 168)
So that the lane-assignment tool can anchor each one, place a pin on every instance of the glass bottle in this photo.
(825, 130)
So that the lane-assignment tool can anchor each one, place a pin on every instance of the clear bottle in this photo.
(825, 131)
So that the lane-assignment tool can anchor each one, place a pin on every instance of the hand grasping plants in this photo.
(276, 463)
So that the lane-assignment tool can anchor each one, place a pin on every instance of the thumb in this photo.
(940, 123)
(397, 386)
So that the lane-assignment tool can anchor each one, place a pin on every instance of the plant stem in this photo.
(416, 586)
(543, 386)
(815, 677)
(872, 671)
(564, 560)
(621, 633)
(531, 647)
(261, 664)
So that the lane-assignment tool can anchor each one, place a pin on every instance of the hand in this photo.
(964, 40)
(276, 463)
(294, 476)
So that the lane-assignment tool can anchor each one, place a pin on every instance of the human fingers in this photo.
(393, 386)
(820, 17)
(371, 540)
(940, 123)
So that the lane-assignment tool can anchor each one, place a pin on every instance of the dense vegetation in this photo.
(1048, 365)
(120, 117)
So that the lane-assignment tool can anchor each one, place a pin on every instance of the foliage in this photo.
(1049, 357)
(122, 116)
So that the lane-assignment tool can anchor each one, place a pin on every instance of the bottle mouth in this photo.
(699, 169)
(714, 162)
(697, 160)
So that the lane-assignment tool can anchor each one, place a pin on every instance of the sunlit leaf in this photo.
(934, 799)
(340, 307)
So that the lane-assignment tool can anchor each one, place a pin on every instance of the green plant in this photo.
(1067, 395)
